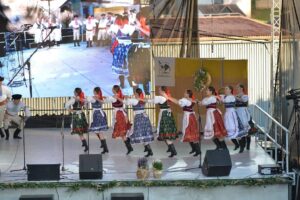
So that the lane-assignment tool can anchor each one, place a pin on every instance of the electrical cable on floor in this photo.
(57, 193)
(14, 159)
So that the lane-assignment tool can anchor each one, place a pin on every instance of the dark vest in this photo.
(165, 105)
(117, 104)
(97, 104)
(77, 106)
(189, 108)
(212, 105)
(139, 106)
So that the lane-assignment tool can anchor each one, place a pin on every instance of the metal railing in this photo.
(263, 120)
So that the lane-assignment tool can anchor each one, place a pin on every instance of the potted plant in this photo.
(143, 169)
(157, 168)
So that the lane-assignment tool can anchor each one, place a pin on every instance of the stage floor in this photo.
(44, 146)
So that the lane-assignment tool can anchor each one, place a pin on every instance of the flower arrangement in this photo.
(202, 79)
(157, 166)
(143, 169)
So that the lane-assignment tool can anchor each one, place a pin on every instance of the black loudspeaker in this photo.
(43, 172)
(216, 163)
(127, 196)
(37, 197)
(90, 166)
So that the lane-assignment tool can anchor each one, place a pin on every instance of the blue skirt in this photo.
(120, 59)
(142, 129)
(99, 122)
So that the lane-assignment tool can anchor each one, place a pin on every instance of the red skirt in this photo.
(121, 126)
(219, 127)
(192, 131)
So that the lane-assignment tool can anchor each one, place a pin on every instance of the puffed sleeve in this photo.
(110, 99)
(69, 103)
(245, 98)
(90, 99)
(209, 100)
(131, 102)
(184, 102)
(157, 100)
(229, 99)
(222, 97)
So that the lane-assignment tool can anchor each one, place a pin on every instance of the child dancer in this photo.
(243, 114)
(166, 127)
(99, 123)
(79, 122)
(232, 123)
(142, 128)
(121, 123)
(214, 126)
(189, 122)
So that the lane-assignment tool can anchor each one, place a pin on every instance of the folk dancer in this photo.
(13, 107)
(121, 122)
(214, 126)
(99, 123)
(190, 130)
(142, 128)
(79, 123)
(76, 24)
(243, 113)
(90, 31)
(37, 29)
(121, 47)
(166, 127)
(55, 36)
(5, 95)
(232, 122)
(102, 30)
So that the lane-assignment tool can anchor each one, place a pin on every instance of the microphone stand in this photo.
(24, 149)
(88, 122)
(200, 134)
(27, 62)
(63, 143)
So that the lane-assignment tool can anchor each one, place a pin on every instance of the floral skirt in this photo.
(142, 129)
(99, 122)
(121, 126)
(79, 123)
(191, 132)
(167, 126)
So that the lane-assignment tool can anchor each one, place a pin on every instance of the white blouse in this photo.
(184, 102)
(209, 100)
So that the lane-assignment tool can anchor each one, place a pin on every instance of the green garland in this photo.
(100, 187)
(200, 79)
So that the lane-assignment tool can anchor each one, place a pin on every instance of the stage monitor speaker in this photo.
(127, 196)
(43, 172)
(90, 166)
(37, 197)
(216, 163)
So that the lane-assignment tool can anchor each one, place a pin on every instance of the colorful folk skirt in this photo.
(167, 128)
(120, 59)
(142, 129)
(190, 128)
(99, 121)
(214, 126)
(244, 116)
(79, 123)
(121, 124)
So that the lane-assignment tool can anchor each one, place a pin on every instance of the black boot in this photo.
(91, 44)
(193, 148)
(16, 134)
(217, 143)
(128, 146)
(1, 133)
(150, 153)
(78, 43)
(86, 147)
(197, 149)
(248, 141)
(7, 134)
(145, 148)
(236, 144)
(82, 143)
(223, 145)
(173, 151)
(169, 149)
(105, 149)
(87, 44)
(242, 142)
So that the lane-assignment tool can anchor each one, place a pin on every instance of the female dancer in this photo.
(121, 123)
(166, 127)
(142, 129)
(79, 122)
(214, 126)
(189, 122)
(99, 118)
(243, 114)
(232, 122)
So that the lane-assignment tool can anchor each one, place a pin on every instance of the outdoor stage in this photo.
(44, 146)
